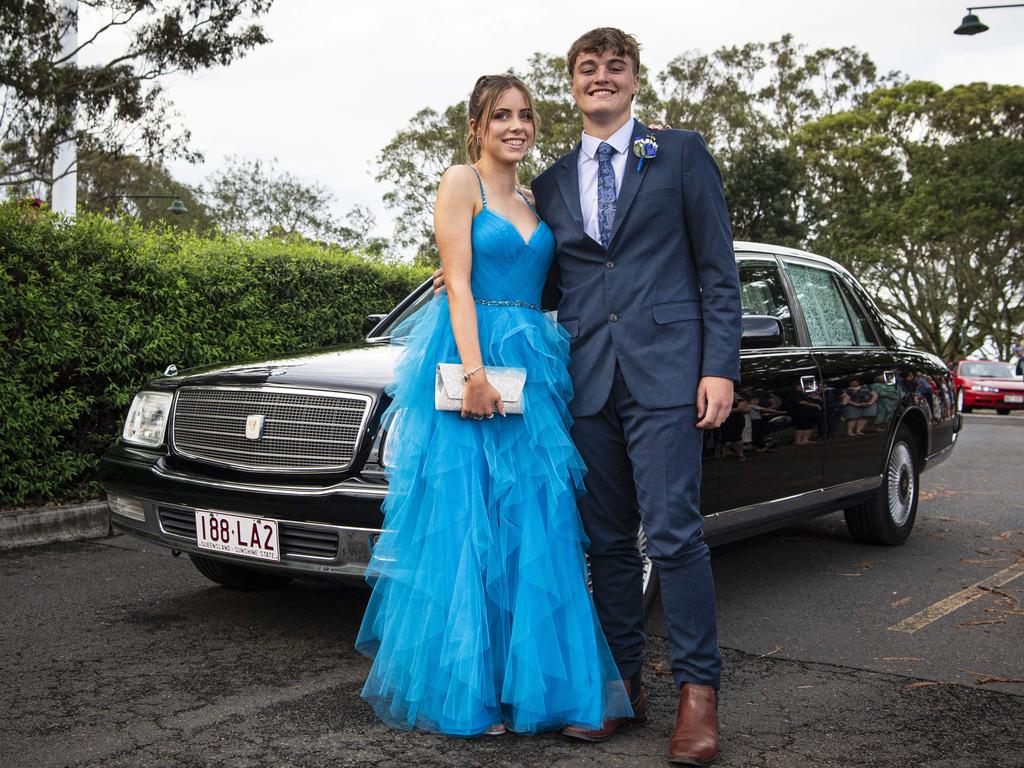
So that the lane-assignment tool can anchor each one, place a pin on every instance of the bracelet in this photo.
(465, 376)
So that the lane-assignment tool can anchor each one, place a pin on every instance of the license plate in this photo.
(1013, 398)
(242, 535)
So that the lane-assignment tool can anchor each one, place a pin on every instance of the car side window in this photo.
(824, 307)
(861, 325)
(762, 293)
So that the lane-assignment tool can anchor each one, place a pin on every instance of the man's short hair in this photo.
(604, 39)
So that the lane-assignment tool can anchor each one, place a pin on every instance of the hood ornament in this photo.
(171, 370)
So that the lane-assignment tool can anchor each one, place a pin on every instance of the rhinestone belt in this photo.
(507, 303)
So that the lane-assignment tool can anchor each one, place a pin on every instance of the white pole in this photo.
(64, 192)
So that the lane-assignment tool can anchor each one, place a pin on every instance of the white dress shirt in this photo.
(621, 142)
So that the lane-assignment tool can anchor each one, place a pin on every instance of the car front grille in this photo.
(302, 431)
(297, 541)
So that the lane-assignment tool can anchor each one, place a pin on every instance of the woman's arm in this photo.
(453, 224)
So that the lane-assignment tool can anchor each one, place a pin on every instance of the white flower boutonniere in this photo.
(646, 149)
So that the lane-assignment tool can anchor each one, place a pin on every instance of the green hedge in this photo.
(91, 309)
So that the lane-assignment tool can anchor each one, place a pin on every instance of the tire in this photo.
(237, 576)
(887, 517)
(652, 582)
(1003, 411)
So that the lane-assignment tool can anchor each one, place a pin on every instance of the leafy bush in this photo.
(91, 309)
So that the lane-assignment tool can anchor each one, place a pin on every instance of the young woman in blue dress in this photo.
(480, 618)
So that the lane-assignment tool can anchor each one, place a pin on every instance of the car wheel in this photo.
(1003, 411)
(651, 579)
(237, 576)
(887, 517)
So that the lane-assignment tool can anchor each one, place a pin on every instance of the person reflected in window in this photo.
(888, 396)
(806, 410)
(734, 425)
(860, 403)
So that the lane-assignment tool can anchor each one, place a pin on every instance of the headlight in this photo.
(390, 440)
(147, 419)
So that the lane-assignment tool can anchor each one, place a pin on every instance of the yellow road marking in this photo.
(946, 606)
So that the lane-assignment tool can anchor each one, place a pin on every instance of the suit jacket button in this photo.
(610, 264)
(612, 317)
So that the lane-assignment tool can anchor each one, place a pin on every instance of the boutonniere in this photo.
(646, 149)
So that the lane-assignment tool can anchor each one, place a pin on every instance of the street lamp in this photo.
(971, 24)
(177, 207)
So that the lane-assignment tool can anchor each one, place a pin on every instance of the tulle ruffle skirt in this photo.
(480, 612)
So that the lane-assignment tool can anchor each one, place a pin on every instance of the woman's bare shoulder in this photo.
(459, 182)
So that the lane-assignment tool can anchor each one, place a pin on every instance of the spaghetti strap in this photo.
(483, 196)
(528, 203)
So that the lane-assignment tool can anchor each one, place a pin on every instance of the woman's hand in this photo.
(481, 400)
(438, 280)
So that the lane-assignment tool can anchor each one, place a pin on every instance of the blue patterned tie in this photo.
(605, 192)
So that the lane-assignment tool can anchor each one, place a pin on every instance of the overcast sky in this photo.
(341, 77)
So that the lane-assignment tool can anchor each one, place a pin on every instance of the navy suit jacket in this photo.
(663, 300)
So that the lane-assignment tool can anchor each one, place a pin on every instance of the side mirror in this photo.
(371, 322)
(761, 332)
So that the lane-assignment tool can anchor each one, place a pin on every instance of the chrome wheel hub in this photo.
(900, 481)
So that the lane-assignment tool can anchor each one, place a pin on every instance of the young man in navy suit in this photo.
(645, 284)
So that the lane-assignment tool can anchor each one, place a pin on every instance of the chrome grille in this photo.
(303, 431)
(297, 541)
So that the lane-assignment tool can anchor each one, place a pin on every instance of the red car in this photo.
(988, 384)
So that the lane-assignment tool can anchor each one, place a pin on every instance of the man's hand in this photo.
(714, 401)
(439, 280)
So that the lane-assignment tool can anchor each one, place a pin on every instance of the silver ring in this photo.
(479, 418)
(491, 415)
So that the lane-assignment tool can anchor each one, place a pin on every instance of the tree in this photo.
(921, 191)
(254, 198)
(412, 163)
(145, 190)
(746, 100)
(117, 107)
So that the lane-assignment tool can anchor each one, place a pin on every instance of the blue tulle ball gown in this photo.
(480, 612)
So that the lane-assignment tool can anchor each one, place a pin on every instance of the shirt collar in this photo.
(619, 140)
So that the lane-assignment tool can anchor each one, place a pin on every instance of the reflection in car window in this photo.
(762, 294)
(825, 310)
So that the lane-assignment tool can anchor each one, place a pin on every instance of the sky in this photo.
(340, 77)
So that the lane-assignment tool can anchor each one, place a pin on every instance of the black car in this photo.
(266, 471)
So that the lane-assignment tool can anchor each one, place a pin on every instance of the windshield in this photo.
(988, 370)
(419, 297)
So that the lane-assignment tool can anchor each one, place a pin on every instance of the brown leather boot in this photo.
(695, 739)
(609, 727)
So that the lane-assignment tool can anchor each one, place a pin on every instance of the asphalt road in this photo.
(114, 653)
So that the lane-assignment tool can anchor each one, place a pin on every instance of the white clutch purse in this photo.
(449, 387)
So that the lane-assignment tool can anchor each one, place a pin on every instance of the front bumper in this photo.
(325, 530)
(991, 400)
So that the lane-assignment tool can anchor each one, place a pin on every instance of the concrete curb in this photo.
(47, 525)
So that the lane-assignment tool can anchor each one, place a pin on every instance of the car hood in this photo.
(365, 367)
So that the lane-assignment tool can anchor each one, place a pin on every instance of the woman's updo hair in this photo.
(486, 92)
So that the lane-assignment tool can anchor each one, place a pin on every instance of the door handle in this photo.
(889, 377)
(809, 383)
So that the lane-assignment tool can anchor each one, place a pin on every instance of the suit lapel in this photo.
(631, 179)
(569, 183)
